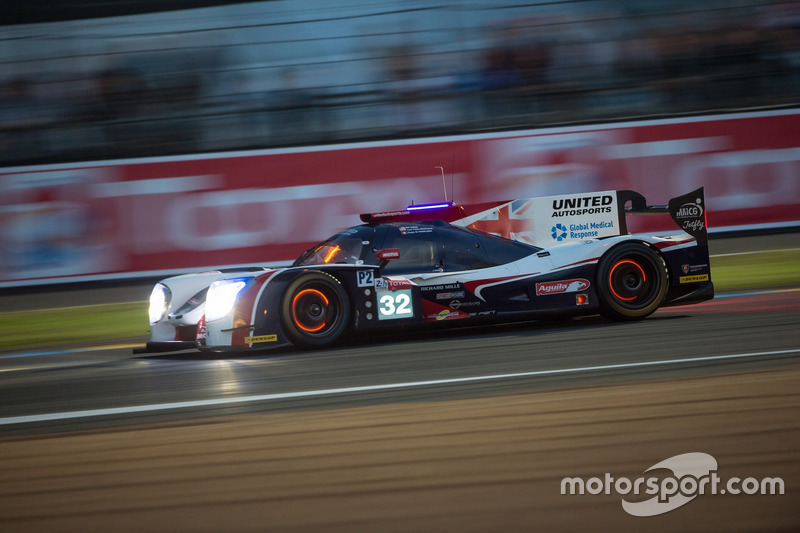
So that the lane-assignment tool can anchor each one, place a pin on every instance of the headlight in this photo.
(159, 300)
(222, 297)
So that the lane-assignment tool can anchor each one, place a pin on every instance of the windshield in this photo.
(353, 246)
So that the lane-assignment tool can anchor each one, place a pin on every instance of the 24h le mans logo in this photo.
(559, 232)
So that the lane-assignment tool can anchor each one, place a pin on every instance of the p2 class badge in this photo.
(365, 278)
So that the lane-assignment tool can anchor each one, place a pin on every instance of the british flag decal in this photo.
(511, 220)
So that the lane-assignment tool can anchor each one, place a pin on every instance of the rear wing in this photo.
(550, 220)
(687, 211)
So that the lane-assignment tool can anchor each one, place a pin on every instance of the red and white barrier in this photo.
(131, 218)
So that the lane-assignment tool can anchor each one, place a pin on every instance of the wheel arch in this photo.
(613, 305)
(292, 283)
(649, 245)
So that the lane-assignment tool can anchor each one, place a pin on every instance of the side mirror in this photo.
(385, 255)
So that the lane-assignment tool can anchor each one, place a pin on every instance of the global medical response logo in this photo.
(561, 287)
(559, 232)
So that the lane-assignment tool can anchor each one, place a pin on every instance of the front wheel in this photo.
(315, 310)
(632, 281)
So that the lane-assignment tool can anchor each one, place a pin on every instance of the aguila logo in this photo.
(560, 287)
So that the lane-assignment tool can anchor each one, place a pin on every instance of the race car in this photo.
(555, 256)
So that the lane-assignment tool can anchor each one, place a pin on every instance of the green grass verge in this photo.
(73, 324)
(757, 270)
(120, 321)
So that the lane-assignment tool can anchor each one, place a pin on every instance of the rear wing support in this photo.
(687, 211)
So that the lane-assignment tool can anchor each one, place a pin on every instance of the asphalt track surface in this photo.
(466, 430)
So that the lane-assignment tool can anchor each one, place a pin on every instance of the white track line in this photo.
(48, 417)
(756, 252)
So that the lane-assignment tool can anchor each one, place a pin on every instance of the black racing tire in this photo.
(315, 310)
(632, 281)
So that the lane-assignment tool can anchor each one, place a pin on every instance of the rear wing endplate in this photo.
(687, 211)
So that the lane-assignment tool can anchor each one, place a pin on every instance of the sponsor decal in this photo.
(589, 229)
(450, 295)
(693, 279)
(261, 338)
(559, 232)
(582, 205)
(560, 287)
(693, 268)
(387, 253)
(201, 329)
(447, 287)
(390, 214)
(391, 284)
(413, 230)
(689, 213)
(690, 210)
(446, 314)
(394, 285)
(571, 218)
(581, 231)
(455, 304)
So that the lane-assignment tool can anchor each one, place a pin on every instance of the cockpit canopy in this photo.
(424, 247)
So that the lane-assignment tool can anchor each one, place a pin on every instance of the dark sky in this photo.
(30, 11)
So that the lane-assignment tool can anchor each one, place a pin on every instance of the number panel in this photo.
(395, 304)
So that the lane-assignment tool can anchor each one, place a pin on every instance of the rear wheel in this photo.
(631, 282)
(315, 310)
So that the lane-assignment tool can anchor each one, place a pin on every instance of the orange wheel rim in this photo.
(611, 280)
(306, 293)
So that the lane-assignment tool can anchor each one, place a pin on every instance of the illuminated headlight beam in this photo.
(159, 300)
(222, 297)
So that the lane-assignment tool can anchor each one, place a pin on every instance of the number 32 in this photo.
(395, 305)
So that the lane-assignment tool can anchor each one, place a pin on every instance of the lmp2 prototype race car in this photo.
(567, 256)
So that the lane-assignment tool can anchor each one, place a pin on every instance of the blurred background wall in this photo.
(137, 141)
(300, 72)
